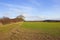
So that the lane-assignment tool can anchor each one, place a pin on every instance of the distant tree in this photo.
(20, 18)
(5, 20)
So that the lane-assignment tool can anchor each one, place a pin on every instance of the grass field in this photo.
(30, 31)
(50, 27)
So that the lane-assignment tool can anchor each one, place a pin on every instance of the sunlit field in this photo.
(52, 28)
(30, 31)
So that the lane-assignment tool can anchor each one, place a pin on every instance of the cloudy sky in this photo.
(31, 9)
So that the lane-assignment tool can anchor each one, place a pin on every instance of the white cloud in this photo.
(17, 9)
(28, 10)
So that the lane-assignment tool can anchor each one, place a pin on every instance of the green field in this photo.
(49, 27)
(30, 30)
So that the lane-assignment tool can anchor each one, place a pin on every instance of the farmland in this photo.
(49, 27)
(30, 31)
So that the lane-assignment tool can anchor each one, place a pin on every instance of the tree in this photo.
(5, 20)
(20, 18)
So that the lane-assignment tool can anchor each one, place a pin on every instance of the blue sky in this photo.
(31, 9)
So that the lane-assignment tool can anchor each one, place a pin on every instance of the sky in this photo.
(31, 9)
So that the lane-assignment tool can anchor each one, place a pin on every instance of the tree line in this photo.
(7, 20)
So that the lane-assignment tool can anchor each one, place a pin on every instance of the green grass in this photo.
(49, 27)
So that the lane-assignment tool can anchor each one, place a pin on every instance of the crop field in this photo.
(30, 31)
(51, 27)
